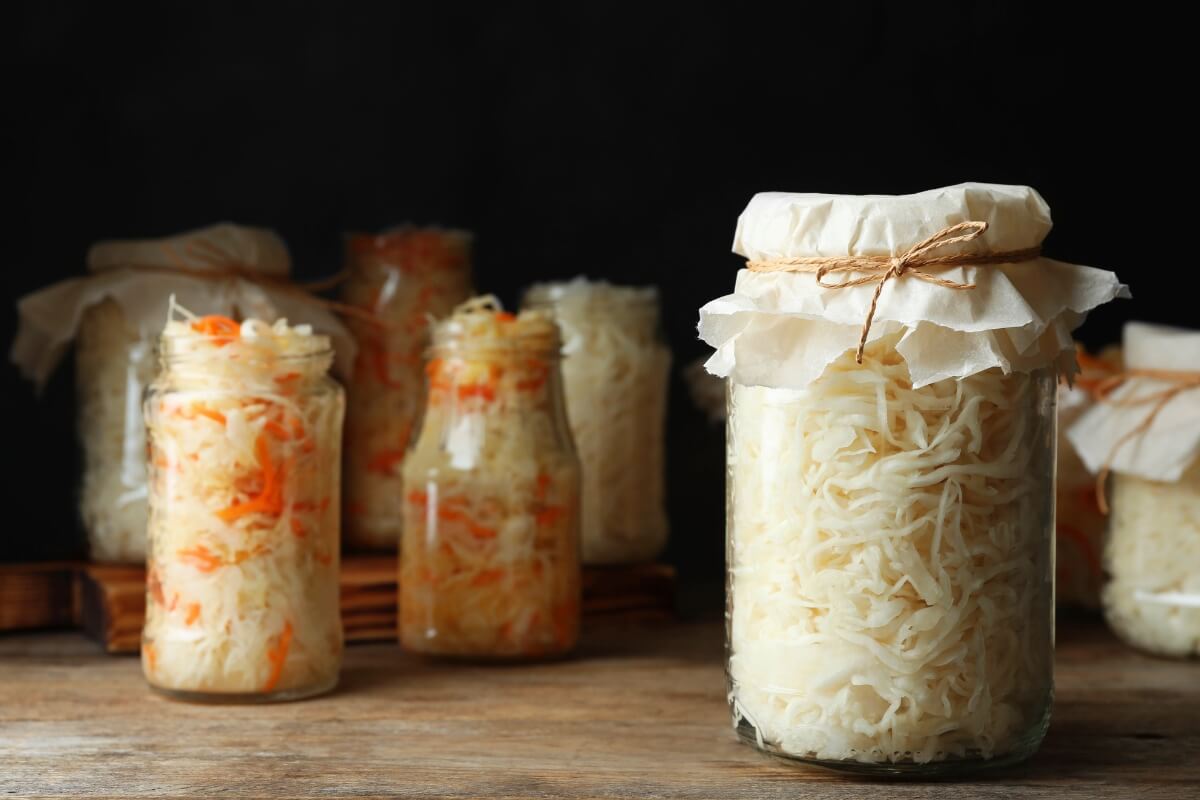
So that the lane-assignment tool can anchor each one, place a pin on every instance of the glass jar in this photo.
(244, 429)
(404, 277)
(615, 371)
(114, 365)
(1152, 563)
(489, 560)
(890, 550)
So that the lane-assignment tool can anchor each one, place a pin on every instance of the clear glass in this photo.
(890, 567)
(1152, 564)
(404, 277)
(242, 574)
(114, 365)
(615, 379)
(489, 561)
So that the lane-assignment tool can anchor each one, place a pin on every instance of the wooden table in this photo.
(641, 713)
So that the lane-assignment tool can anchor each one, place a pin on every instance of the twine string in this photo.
(1180, 382)
(914, 262)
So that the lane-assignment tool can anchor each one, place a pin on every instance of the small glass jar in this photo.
(615, 371)
(489, 560)
(404, 277)
(1152, 563)
(244, 429)
(890, 550)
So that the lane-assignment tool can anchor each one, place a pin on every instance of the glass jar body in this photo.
(403, 278)
(615, 375)
(1152, 564)
(890, 567)
(114, 365)
(242, 571)
(490, 551)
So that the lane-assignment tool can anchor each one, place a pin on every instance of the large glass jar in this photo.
(615, 370)
(490, 551)
(1152, 563)
(890, 551)
(403, 277)
(244, 432)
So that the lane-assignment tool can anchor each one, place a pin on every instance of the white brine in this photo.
(890, 523)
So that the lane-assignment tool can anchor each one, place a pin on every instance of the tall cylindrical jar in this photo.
(403, 277)
(615, 371)
(1147, 432)
(244, 429)
(890, 480)
(490, 553)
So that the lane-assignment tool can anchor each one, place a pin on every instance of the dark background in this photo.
(617, 142)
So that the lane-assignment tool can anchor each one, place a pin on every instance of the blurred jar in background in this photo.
(405, 277)
(615, 370)
(490, 551)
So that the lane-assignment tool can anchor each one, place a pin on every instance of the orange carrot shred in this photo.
(277, 655)
(200, 558)
(150, 656)
(218, 327)
(487, 576)
(297, 528)
(193, 613)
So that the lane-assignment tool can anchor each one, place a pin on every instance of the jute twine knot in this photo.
(911, 263)
(1179, 382)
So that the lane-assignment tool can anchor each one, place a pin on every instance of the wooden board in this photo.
(38, 596)
(114, 598)
(639, 713)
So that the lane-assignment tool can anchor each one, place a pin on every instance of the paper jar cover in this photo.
(1172, 442)
(781, 329)
(139, 275)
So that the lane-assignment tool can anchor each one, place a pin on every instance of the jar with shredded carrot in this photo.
(404, 278)
(490, 554)
(244, 429)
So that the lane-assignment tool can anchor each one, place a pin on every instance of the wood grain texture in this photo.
(38, 596)
(639, 713)
(114, 598)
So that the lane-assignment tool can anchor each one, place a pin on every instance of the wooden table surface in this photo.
(640, 713)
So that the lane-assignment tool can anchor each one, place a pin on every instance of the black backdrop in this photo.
(586, 138)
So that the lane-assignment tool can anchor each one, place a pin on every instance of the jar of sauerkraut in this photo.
(890, 449)
(615, 369)
(489, 559)
(404, 277)
(116, 313)
(244, 428)
(1146, 430)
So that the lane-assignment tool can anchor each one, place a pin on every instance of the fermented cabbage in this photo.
(615, 380)
(114, 366)
(405, 277)
(245, 439)
(890, 563)
(1152, 597)
(490, 548)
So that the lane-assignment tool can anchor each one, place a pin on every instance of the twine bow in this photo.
(1180, 382)
(912, 263)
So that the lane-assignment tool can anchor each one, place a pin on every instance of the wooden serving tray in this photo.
(113, 598)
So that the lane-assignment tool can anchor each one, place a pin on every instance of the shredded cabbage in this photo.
(490, 549)
(244, 431)
(890, 563)
(615, 378)
(114, 365)
(404, 277)
(1152, 556)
